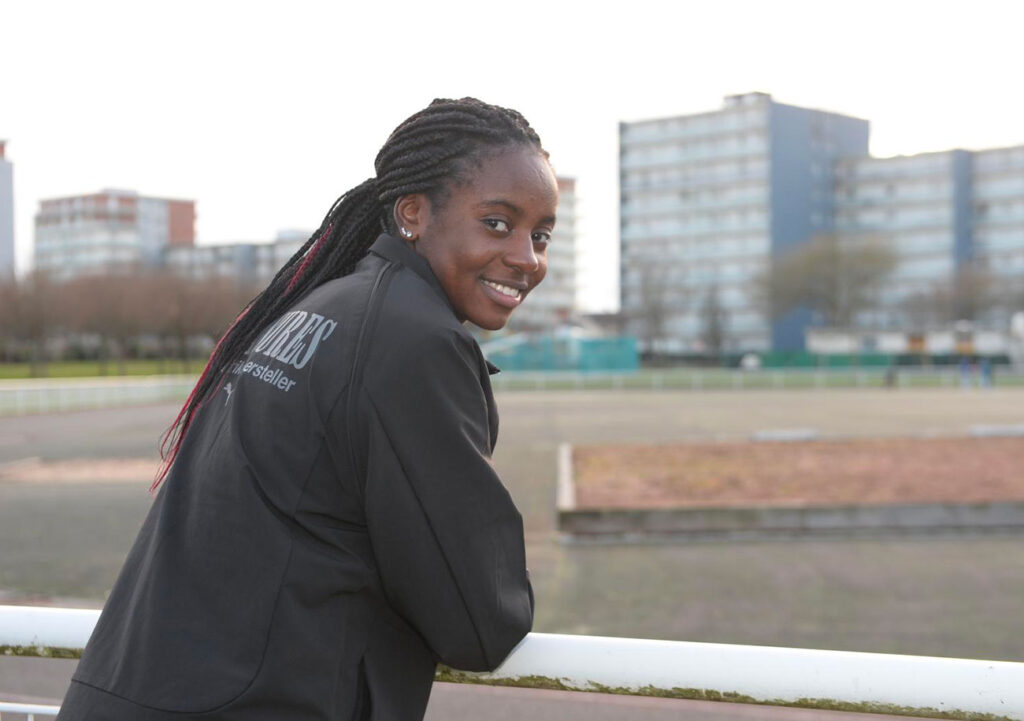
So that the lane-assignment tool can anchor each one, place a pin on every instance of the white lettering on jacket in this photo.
(295, 337)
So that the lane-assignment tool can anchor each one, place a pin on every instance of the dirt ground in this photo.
(861, 471)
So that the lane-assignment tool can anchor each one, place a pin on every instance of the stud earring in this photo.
(405, 233)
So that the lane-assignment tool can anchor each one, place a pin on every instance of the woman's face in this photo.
(487, 243)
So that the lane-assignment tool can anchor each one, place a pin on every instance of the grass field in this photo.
(90, 369)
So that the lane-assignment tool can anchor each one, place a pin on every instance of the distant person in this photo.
(890, 376)
(966, 373)
(986, 373)
(331, 526)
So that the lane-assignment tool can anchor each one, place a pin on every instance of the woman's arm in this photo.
(446, 535)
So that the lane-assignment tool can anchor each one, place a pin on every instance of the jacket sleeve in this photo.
(446, 535)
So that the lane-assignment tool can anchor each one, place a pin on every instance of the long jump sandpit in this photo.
(808, 488)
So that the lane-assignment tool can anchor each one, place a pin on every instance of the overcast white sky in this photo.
(265, 112)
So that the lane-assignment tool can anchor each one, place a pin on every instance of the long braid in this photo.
(428, 153)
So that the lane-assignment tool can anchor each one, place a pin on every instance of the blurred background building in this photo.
(917, 206)
(997, 218)
(6, 214)
(109, 231)
(553, 302)
(252, 264)
(707, 200)
(955, 222)
(117, 231)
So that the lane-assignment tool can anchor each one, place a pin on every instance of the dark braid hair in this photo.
(431, 152)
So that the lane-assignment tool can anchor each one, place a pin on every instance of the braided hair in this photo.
(432, 152)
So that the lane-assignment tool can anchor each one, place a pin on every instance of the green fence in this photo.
(725, 379)
(552, 353)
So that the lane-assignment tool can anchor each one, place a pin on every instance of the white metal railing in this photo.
(837, 680)
(31, 710)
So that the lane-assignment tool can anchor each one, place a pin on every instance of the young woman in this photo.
(331, 526)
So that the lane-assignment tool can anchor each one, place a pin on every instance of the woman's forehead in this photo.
(518, 173)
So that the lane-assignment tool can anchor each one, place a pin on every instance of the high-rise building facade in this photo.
(249, 264)
(113, 230)
(252, 265)
(707, 201)
(918, 207)
(554, 300)
(997, 193)
(6, 214)
(941, 214)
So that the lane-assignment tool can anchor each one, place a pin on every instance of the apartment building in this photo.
(6, 214)
(109, 231)
(707, 200)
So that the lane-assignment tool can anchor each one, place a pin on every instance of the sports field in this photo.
(938, 596)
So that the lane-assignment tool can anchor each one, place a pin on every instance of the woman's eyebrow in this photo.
(505, 204)
(515, 209)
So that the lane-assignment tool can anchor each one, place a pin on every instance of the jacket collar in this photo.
(398, 251)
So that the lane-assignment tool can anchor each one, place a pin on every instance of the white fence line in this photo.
(838, 680)
(69, 394)
(21, 397)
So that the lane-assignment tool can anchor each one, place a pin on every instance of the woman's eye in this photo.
(502, 226)
(542, 237)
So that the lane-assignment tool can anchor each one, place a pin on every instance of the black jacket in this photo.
(331, 528)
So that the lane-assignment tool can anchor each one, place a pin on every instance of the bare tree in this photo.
(183, 308)
(29, 316)
(974, 293)
(657, 301)
(714, 318)
(111, 306)
(968, 296)
(927, 308)
(836, 279)
(8, 316)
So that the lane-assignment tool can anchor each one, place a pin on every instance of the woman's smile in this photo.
(504, 294)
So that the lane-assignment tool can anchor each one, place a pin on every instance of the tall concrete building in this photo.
(941, 213)
(997, 193)
(707, 201)
(6, 215)
(113, 230)
(917, 206)
(554, 300)
(250, 264)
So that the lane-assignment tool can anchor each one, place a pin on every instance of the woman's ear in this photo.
(411, 215)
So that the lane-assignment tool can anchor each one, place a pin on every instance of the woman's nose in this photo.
(521, 254)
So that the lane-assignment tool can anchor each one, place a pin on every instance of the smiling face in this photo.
(487, 240)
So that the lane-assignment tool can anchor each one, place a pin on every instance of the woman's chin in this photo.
(490, 321)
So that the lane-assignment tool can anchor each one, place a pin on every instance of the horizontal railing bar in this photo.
(838, 680)
(28, 709)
